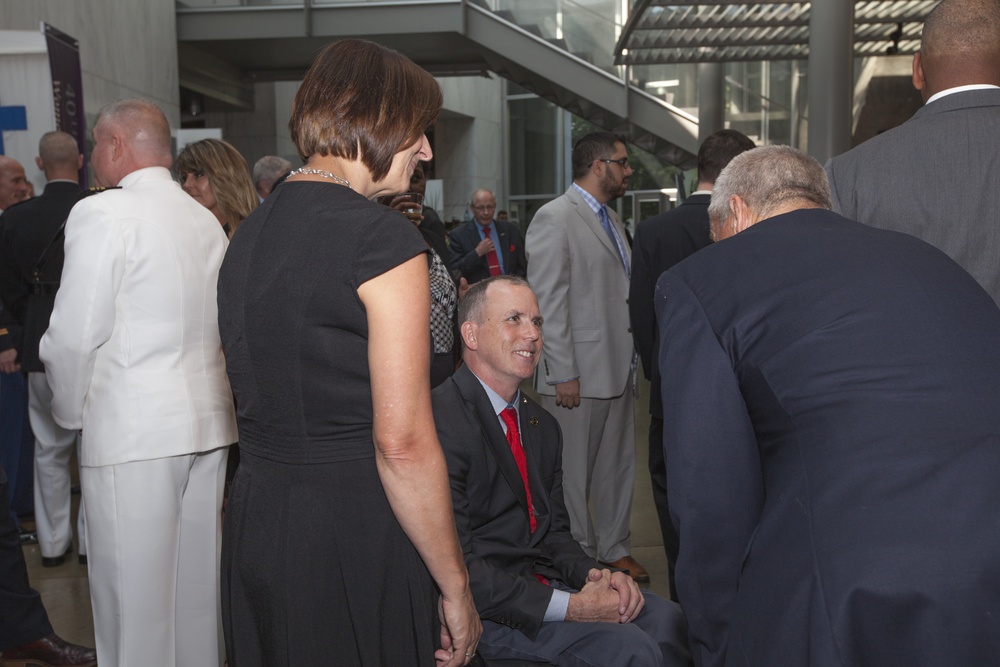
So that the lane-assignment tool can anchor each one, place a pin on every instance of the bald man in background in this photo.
(936, 175)
(134, 358)
(31, 260)
(14, 434)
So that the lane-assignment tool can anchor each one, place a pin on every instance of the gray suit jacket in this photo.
(582, 291)
(936, 176)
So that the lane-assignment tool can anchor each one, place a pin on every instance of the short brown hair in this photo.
(361, 99)
(228, 174)
(718, 150)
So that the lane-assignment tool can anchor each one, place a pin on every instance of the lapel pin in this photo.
(533, 421)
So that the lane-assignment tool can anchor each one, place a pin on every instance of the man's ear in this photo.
(79, 161)
(743, 216)
(39, 163)
(919, 80)
(468, 331)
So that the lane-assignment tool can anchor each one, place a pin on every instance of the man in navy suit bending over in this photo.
(831, 412)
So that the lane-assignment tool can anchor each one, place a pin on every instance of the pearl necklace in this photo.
(324, 174)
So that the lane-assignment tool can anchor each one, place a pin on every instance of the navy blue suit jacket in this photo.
(464, 239)
(660, 242)
(831, 404)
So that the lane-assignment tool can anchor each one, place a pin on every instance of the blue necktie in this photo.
(602, 215)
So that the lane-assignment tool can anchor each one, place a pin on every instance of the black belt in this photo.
(44, 289)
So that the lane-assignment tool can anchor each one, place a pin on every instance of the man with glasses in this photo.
(485, 247)
(579, 267)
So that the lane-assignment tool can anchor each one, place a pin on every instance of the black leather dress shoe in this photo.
(82, 559)
(56, 561)
(27, 536)
(51, 651)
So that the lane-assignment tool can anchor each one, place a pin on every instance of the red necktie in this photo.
(494, 264)
(509, 416)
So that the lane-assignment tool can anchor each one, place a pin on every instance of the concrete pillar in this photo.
(831, 77)
(711, 99)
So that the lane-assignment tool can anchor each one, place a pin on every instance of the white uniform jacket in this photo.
(132, 351)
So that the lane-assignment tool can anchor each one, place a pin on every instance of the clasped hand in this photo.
(607, 597)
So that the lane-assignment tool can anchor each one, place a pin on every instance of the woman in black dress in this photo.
(339, 545)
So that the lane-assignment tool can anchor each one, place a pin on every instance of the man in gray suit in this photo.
(578, 264)
(936, 175)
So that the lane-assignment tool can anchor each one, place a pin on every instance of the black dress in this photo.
(315, 568)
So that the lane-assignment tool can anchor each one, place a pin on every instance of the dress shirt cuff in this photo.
(558, 604)
(552, 383)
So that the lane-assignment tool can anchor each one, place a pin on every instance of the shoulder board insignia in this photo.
(95, 191)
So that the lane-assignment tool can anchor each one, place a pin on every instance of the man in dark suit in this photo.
(485, 247)
(831, 429)
(528, 576)
(14, 431)
(31, 261)
(660, 242)
(26, 636)
(936, 175)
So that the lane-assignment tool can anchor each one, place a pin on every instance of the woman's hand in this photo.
(460, 631)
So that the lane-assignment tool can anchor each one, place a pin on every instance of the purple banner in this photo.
(67, 89)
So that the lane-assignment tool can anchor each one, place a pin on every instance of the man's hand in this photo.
(629, 593)
(463, 287)
(568, 394)
(8, 361)
(407, 207)
(597, 601)
(484, 246)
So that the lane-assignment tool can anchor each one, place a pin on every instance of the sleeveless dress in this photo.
(315, 568)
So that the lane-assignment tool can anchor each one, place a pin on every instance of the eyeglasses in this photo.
(621, 162)
(481, 207)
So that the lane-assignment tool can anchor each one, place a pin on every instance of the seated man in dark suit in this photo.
(831, 410)
(529, 578)
(484, 247)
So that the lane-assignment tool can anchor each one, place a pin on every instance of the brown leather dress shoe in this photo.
(637, 571)
(51, 651)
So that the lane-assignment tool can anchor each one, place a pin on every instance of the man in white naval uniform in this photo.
(134, 359)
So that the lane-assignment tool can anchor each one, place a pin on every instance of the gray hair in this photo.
(144, 122)
(768, 177)
(268, 168)
(481, 191)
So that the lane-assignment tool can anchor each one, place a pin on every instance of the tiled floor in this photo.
(66, 594)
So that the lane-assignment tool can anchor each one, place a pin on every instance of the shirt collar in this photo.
(960, 89)
(592, 202)
(497, 401)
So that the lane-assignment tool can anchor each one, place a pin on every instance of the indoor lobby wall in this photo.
(468, 140)
(127, 48)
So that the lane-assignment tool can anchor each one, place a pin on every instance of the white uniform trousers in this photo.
(598, 462)
(54, 447)
(154, 532)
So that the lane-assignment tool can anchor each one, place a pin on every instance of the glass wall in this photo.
(588, 29)
(765, 100)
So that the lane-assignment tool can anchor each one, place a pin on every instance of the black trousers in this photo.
(658, 478)
(22, 616)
